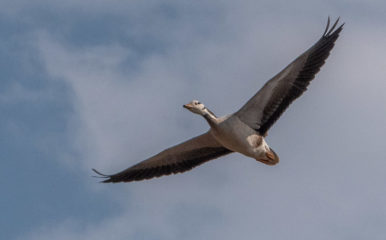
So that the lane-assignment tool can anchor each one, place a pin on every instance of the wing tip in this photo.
(101, 175)
(330, 30)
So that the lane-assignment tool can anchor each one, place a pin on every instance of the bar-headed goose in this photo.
(243, 131)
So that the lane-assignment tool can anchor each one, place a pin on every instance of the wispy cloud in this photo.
(128, 91)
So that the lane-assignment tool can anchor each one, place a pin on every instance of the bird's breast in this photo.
(239, 137)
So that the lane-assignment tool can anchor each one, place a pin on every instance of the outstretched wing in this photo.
(177, 159)
(263, 109)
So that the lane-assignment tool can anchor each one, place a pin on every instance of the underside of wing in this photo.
(177, 159)
(263, 109)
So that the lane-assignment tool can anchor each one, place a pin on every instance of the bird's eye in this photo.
(198, 103)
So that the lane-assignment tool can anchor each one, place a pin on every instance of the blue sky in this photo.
(100, 84)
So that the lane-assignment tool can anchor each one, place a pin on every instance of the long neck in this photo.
(210, 117)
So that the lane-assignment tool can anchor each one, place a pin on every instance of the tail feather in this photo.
(271, 158)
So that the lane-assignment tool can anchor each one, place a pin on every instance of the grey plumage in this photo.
(177, 159)
(263, 109)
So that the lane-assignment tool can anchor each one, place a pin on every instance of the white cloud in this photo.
(328, 184)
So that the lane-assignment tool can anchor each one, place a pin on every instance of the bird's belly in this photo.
(239, 137)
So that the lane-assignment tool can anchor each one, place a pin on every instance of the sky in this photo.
(101, 84)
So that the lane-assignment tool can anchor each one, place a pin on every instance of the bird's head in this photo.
(196, 107)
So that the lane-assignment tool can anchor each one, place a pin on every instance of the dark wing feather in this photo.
(263, 109)
(177, 159)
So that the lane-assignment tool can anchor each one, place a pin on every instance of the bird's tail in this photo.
(270, 158)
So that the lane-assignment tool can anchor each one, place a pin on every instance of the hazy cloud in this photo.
(128, 95)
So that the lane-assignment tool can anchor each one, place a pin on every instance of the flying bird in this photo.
(243, 131)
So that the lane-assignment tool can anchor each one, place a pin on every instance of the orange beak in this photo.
(188, 106)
